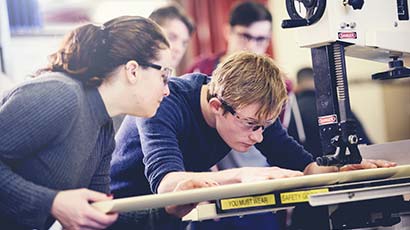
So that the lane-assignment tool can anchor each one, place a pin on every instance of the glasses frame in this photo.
(250, 125)
(166, 71)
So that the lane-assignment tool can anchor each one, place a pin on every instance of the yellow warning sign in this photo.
(300, 196)
(248, 202)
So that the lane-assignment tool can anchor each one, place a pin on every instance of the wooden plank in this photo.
(245, 189)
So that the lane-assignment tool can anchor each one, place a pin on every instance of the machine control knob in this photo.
(356, 4)
(353, 139)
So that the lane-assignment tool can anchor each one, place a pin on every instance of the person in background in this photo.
(56, 132)
(304, 128)
(250, 29)
(202, 120)
(178, 28)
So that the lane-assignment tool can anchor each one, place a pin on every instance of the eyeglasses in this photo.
(248, 37)
(166, 71)
(248, 123)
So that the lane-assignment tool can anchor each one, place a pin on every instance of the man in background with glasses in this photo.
(201, 121)
(250, 29)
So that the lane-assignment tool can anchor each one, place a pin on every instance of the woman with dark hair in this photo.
(56, 134)
(178, 28)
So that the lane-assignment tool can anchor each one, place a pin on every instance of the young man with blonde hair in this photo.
(202, 120)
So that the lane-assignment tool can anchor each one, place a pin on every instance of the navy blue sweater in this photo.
(177, 138)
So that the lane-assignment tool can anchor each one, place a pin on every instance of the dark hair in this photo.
(90, 53)
(161, 15)
(247, 13)
(305, 73)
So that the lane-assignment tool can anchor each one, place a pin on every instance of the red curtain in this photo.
(210, 17)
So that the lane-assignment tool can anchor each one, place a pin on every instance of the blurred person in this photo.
(250, 29)
(56, 132)
(202, 120)
(178, 28)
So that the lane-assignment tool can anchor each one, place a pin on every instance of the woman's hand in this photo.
(182, 210)
(73, 210)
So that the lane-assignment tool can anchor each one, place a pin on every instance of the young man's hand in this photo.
(248, 174)
(313, 168)
(182, 210)
(368, 164)
(73, 210)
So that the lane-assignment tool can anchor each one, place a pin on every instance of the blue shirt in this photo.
(177, 138)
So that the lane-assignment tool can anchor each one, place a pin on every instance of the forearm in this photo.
(313, 168)
(170, 181)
